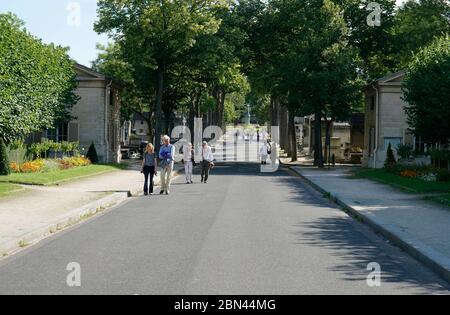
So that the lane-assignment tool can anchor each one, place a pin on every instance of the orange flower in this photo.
(409, 174)
(31, 167)
(15, 167)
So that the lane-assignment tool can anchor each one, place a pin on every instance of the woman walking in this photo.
(189, 161)
(149, 168)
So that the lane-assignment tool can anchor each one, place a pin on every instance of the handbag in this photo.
(193, 159)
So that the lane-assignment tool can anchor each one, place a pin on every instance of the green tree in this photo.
(309, 63)
(416, 25)
(374, 43)
(426, 90)
(155, 34)
(135, 98)
(37, 81)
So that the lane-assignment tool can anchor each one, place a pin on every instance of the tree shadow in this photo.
(354, 245)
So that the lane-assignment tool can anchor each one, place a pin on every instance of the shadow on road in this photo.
(355, 244)
(347, 238)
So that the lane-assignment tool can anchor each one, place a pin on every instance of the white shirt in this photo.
(187, 154)
(207, 154)
(264, 150)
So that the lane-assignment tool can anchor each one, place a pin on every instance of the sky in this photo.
(68, 23)
(58, 21)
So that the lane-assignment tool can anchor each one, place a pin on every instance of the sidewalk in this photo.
(419, 227)
(39, 211)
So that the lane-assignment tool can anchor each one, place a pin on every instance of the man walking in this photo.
(207, 161)
(166, 155)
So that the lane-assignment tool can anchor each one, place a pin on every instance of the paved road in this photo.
(242, 233)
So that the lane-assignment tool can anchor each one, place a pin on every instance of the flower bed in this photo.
(425, 173)
(41, 165)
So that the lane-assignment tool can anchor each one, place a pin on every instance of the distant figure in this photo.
(207, 161)
(166, 155)
(189, 162)
(149, 168)
(264, 152)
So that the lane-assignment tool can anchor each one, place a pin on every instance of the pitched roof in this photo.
(87, 74)
(391, 77)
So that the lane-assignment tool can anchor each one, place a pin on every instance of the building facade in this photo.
(385, 119)
(96, 117)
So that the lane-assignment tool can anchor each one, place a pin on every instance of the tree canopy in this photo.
(37, 81)
(427, 92)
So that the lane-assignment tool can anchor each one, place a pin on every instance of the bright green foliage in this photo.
(427, 92)
(36, 81)
(416, 25)
(154, 36)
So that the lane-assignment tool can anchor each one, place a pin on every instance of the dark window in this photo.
(58, 134)
(111, 98)
(419, 146)
(372, 102)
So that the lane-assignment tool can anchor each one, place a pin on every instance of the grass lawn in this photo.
(442, 199)
(407, 184)
(440, 190)
(7, 188)
(55, 177)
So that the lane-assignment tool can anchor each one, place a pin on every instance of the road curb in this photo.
(421, 252)
(71, 218)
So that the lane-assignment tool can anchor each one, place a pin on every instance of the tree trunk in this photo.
(150, 129)
(318, 154)
(221, 112)
(284, 130)
(328, 142)
(292, 138)
(274, 111)
(158, 109)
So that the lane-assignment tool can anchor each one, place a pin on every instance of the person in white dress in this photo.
(264, 152)
(188, 159)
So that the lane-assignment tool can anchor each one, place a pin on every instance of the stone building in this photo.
(96, 117)
(385, 119)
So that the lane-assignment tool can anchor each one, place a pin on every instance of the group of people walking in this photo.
(166, 158)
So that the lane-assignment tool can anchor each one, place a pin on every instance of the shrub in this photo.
(443, 176)
(390, 158)
(66, 147)
(92, 154)
(405, 151)
(50, 166)
(4, 162)
(440, 158)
